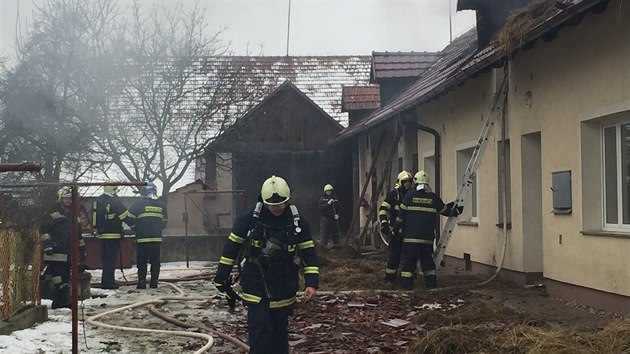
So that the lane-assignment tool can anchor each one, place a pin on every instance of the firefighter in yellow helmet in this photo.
(108, 214)
(56, 233)
(387, 216)
(267, 237)
(329, 221)
(416, 225)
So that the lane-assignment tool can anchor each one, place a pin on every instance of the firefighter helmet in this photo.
(64, 192)
(404, 176)
(275, 191)
(109, 189)
(421, 177)
(328, 187)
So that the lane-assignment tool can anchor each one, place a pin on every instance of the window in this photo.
(470, 200)
(616, 178)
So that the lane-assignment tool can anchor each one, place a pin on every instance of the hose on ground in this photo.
(153, 309)
(93, 320)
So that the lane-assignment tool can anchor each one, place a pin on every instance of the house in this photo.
(284, 135)
(549, 199)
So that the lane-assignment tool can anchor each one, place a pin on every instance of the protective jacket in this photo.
(417, 217)
(56, 235)
(268, 245)
(327, 210)
(108, 213)
(147, 217)
(388, 210)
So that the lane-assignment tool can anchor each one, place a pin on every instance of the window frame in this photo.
(619, 226)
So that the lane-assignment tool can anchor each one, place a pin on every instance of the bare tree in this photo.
(171, 102)
(45, 116)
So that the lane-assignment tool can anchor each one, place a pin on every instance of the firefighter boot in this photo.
(407, 283)
(61, 299)
(142, 284)
(430, 282)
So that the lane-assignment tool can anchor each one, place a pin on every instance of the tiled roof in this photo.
(360, 97)
(401, 64)
(320, 78)
(461, 60)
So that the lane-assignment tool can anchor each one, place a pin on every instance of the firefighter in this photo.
(267, 237)
(147, 217)
(387, 216)
(56, 231)
(415, 223)
(329, 222)
(108, 215)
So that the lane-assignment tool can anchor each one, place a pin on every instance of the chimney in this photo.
(491, 16)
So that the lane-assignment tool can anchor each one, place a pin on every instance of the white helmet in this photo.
(421, 177)
(109, 189)
(403, 176)
(275, 191)
(64, 192)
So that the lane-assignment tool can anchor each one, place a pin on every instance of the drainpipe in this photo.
(438, 166)
(185, 217)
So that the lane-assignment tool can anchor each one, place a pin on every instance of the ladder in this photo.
(471, 169)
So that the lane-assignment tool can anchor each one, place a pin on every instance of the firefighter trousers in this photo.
(148, 252)
(110, 249)
(328, 230)
(268, 329)
(60, 275)
(411, 252)
(393, 260)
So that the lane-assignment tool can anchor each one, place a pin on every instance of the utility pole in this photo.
(288, 26)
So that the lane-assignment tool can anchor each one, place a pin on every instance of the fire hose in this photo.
(152, 304)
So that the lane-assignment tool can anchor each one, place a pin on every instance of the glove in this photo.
(48, 250)
(336, 216)
(83, 268)
(330, 201)
(385, 229)
(459, 210)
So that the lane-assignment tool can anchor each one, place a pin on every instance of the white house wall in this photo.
(578, 82)
(458, 117)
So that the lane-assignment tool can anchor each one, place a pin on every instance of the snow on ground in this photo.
(55, 335)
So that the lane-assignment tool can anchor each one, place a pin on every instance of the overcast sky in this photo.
(318, 27)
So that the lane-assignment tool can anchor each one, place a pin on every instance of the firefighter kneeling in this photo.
(268, 236)
(415, 222)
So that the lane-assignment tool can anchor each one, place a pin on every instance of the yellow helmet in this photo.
(275, 191)
(64, 192)
(111, 190)
(404, 176)
(328, 187)
(421, 177)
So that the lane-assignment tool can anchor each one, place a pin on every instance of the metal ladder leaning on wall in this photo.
(471, 169)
